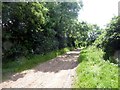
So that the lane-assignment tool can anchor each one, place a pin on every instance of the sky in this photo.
(98, 12)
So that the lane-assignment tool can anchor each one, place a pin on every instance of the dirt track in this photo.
(56, 73)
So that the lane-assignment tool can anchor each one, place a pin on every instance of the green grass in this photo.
(29, 62)
(94, 72)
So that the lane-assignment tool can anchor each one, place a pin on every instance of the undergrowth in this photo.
(94, 72)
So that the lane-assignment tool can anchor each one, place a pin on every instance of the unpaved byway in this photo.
(56, 73)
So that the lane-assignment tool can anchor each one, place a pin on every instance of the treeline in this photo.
(37, 28)
(109, 40)
(99, 63)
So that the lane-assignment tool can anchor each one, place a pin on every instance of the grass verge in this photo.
(29, 62)
(94, 72)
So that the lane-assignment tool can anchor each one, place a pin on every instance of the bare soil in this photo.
(56, 73)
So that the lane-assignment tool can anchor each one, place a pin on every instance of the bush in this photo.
(109, 41)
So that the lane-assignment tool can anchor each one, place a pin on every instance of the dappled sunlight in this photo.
(73, 52)
(63, 62)
(47, 45)
(95, 69)
(49, 74)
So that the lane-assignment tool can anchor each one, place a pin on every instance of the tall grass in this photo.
(29, 62)
(94, 72)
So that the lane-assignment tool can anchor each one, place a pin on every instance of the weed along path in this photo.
(56, 73)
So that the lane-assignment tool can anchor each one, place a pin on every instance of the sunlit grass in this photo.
(94, 72)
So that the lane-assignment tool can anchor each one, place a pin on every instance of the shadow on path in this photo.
(63, 62)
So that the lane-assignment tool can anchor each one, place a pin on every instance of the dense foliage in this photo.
(37, 28)
(109, 40)
(97, 64)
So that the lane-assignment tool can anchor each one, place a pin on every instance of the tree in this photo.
(109, 40)
(36, 28)
(21, 29)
